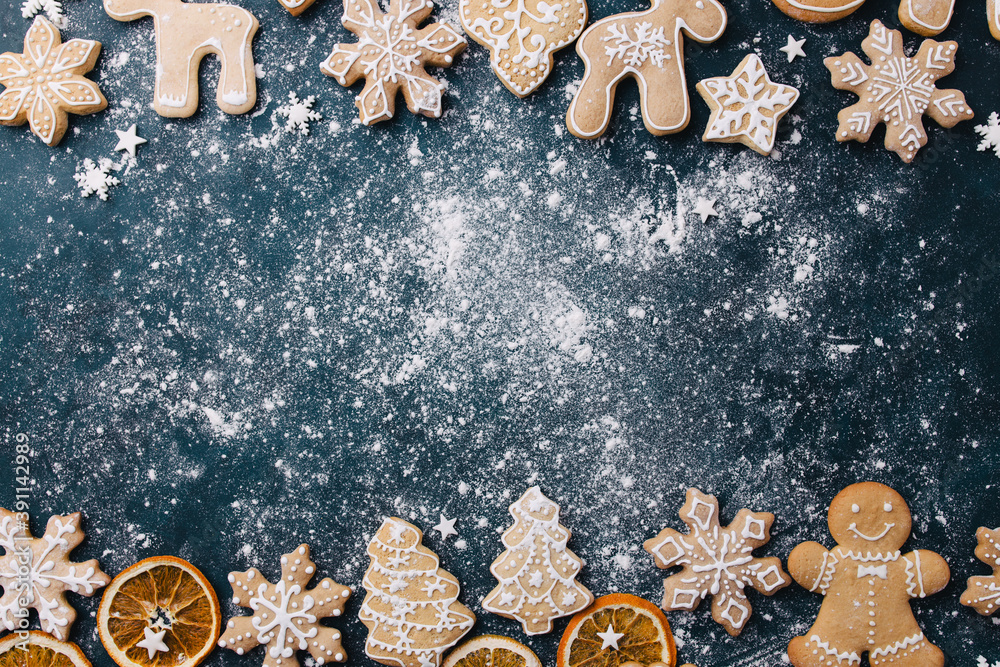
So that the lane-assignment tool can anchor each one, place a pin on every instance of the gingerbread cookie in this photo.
(50, 572)
(867, 583)
(818, 11)
(522, 37)
(926, 17)
(185, 34)
(287, 614)
(746, 106)
(296, 7)
(717, 561)
(649, 46)
(537, 573)
(391, 54)
(983, 593)
(896, 90)
(411, 610)
(46, 83)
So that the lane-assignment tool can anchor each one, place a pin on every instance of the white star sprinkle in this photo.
(706, 209)
(610, 638)
(794, 48)
(536, 579)
(153, 642)
(128, 140)
(506, 599)
(446, 527)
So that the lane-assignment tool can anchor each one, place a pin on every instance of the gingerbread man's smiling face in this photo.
(869, 517)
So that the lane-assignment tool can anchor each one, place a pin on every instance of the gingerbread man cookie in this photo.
(897, 90)
(818, 11)
(391, 54)
(522, 35)
(46, 83)
(926, 17)
(983, 593)
(649, 46)
(185, 34)
(868, 584)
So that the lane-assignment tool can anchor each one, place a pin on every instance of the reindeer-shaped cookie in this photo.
(650, 47)
(867, 584)
(185, 34)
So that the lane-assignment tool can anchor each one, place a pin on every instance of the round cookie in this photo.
(818, 11)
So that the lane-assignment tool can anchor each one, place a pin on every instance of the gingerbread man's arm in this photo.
(926, 573)
(809, 563)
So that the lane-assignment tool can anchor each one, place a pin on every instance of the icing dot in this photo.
(854, 507)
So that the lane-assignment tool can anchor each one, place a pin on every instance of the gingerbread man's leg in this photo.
(813, 651)
(908, 653)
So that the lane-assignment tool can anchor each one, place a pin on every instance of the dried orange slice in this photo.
(492, 651)
(161, 612)
(44, 650)
(615, 630)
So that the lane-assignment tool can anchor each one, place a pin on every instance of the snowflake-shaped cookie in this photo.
(390, 54)
(50, 572)
(95, 178)
(746, 106)
(990, 132)
(46, 81)
(286, 615)
(983, 593)
(896, 90)
(717, 561)
(299, 113)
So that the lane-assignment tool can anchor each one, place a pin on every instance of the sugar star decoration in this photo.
(896, 90)
(50, 571)
(717, 561)
(983, 593)
(298, 113)
(990, 132)
(446, 527)
(153, 641)
(129, 140)
(391, 54)
(46, 82)
(746, 106)
(95, 178)
(794, 48)
(286, 615)
(609, 638)
(705, 209)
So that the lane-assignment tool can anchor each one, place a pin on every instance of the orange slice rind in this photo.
(492, 651)
(616, 630)
(43, 650)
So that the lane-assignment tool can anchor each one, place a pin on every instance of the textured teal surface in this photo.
(262, 338)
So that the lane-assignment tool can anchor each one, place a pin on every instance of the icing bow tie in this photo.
(873, 570)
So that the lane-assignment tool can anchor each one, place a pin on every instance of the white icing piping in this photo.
(825, 10)
(930, 26)
(854, 529)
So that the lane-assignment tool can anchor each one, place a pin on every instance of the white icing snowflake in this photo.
(51, 8)
(982, 661)
(299, 113)
(95, 178)
(648, 44)
(50, 572)
(990, 133)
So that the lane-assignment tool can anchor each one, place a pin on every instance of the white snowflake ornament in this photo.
(717, 561)
(648, 43)
(51, 8)
(50, 572)
(746, 106)
(990, 132)
(299, 113)
(94, 178)
(286, 615)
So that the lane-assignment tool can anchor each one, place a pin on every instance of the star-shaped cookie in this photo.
(746, 106)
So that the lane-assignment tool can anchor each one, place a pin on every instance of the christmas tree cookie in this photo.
(287, 614)
(411, 608)
(537, 573)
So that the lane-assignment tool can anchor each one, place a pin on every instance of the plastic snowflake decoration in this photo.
(51, 8)
(299, 113)
(896, 90)
(648, 44)
(50, 572)
(746, 106)
(990, 132)
(286, 615)
(390, 54)
(94, 178)
(46, 82)
(983, 593)
(717, 561)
